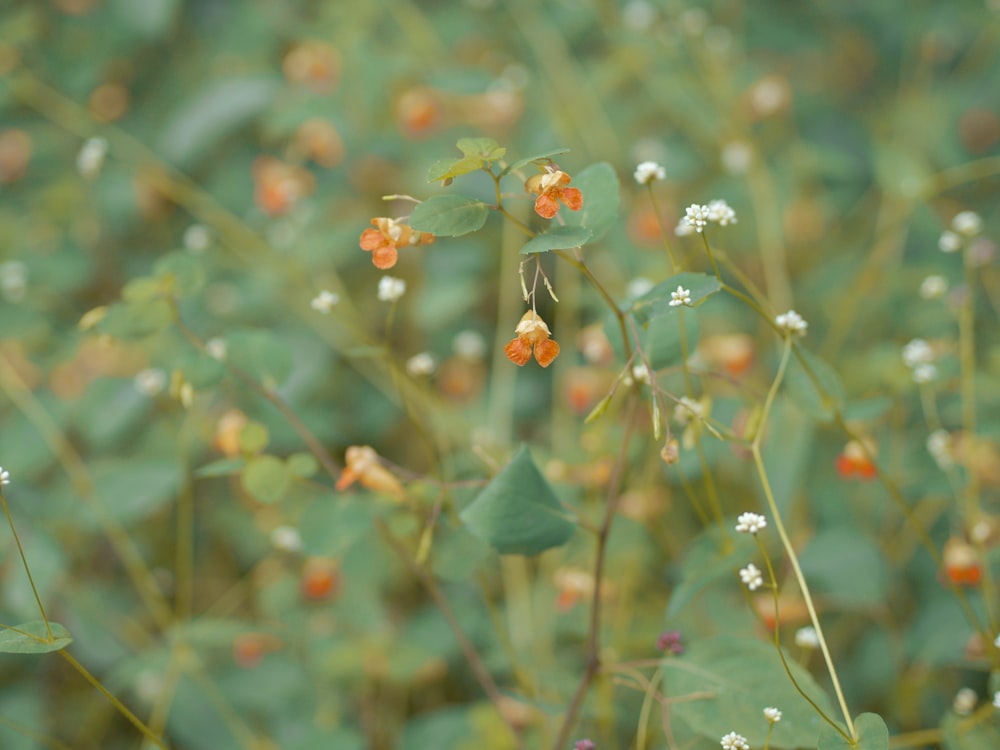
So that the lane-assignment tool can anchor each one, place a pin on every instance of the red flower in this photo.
(548, 186)
(389, 235)
(961, 562)
(856, 461)
(532, 337)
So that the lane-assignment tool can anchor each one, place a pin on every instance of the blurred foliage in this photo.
(162, 368)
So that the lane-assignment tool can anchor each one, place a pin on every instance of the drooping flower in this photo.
(363, 466)
(962, 563)
(550, 189)
(389, 235)
(532, 337)
(856, 459)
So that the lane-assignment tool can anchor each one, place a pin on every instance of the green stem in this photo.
(24, 563)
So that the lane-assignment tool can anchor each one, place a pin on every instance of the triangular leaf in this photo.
(656, 301)
(872, 735)
(449, 215)
(447, 169)
(601, 199)
(544, 155)
(482, 149)
(557, 238)
(33, 638)
(518, 512)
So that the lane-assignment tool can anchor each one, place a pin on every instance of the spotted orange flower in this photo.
(855, 460)
(532, 337)
(383, 241)
(363, 465)
(550, 189)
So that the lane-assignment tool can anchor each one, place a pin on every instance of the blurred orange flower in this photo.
(532, 337)
(856, 461)
(389, 234)
(549, 187)
(278, 185)
(363, 465)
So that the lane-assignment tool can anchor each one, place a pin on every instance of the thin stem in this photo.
(967, 360)
(787, 543)
(593, 658)
(24, 563)
(674, 265)
(711, 257)
(580, 266)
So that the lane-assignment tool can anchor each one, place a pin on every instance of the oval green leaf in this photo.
(449, 215)
(447, 169)
(481, 149)
(872, 735)
(544, 155)
(601, 199)
(518, 512)
(267, 478)
(656, 301)
(557, 238)
(33, 638)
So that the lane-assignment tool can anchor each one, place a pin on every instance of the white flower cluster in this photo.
(933, 287)
(325, 300)
(807, 637)
(773, 715)
(939, 446)
(469, 344)
(150, 382)
(421, 365)
(390, 289)
(964, 225)
(697, 217)
(733, 741)
(680, 297)
(648, 172)
(751, 576)
(721, 212)
(918, 356)
(286, 539)
(4, 477)
(90, 159)
(687, 410)
(750, 523)
(964, 702)
(791, 322)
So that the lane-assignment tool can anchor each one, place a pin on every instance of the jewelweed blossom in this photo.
(680, 297)
(949, 242)
(968, 223)
(792, 322)
(772, 715)
(585, 745)
(325, 300)
(750, 523)
(4, 476)
(648, 172)
(550, 189)
(751, 576)
(807, 637)
(733, 741)
(532, 338)
(390, 289)
(389, 235)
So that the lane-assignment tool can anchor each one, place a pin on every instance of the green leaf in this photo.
(601, 199)
(661, 338)
(557, 238)
(201, 370)
(181, 274)
(543, 156)
(727, 681)
(330, 526)
(302, 465)
(803, 390)
(253, 437)
(137, 320)
(33, 638)
(656, 302)
(447, 169)
(267, 478)
(222, 468)
(872, 735)
(518, 512)
(712, 556)
(449, 215)
(137, 488)
(482, 149)
(846, 566)
(262, 355)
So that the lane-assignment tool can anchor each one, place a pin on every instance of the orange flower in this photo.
(320, 578)
(532, 335)
(278, 185)
(548, 186)
(854, 461)
(389, 235)
(363, 466)
(961, 562)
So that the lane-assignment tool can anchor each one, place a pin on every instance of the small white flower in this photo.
(736, 157)
(807, 637)
(917, 352)
(420, 365)
(648, 172)
(751, 576)
(924, 373)
(150, 382)
(965, 701)
(733, 741)
(939, 446)
(216, 348)
(696, 216)
(750, 523)
(390, 289)
(325, 300)
(286, 539)
(640, 373)
(90, 159)
(4, 476)
(792, 322)
(196, 239)
(949, 242)
(933, 287)
(681, 297)
(968, 223)
(996, 699)
(720, 211)
(683, 229)
(13, 280)
(469, 344)
(996, 641)
(638, 287)
(773, 715)
(687, 410)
